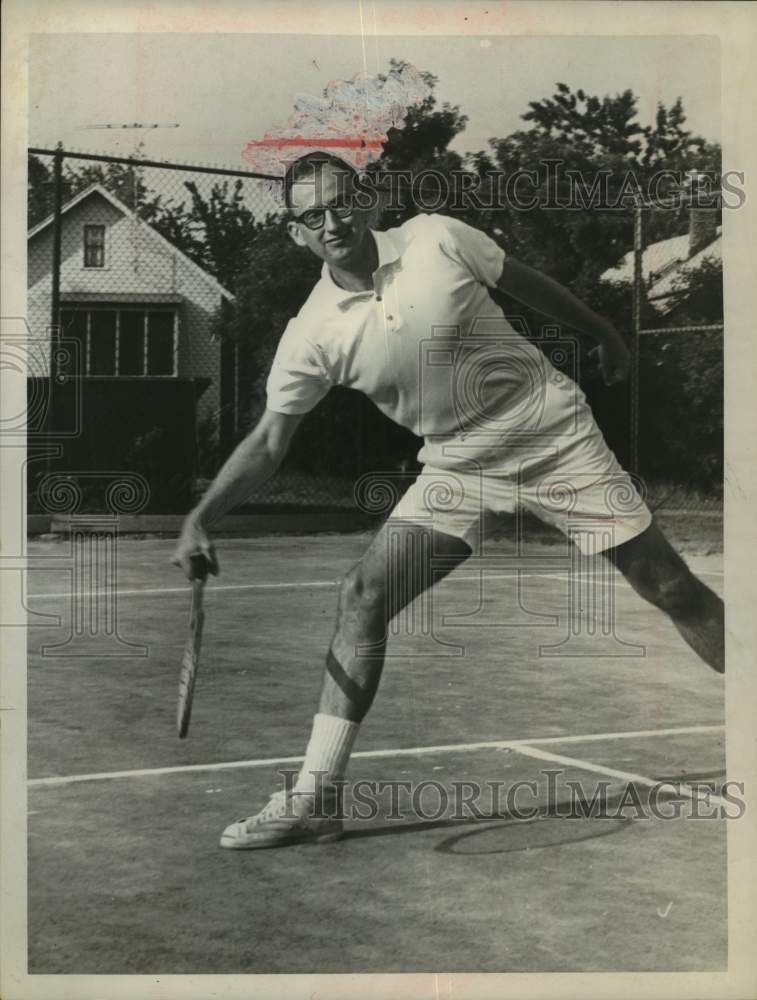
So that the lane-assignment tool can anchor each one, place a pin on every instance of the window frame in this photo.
(104, 228)
(88, 309)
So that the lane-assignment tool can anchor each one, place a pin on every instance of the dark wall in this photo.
(142, 425)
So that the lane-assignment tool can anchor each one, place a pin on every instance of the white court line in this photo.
(369, 754)
(301, 584)
(611, 772)
(213, 588)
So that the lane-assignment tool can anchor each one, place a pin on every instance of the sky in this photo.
(224, 90)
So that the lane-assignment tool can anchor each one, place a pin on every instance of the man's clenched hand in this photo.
(614, 358)
(194, 541)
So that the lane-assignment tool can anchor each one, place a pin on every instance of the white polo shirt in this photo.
(429, 346)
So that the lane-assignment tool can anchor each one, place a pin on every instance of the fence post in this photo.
(58, 204)
(55, 296)
(638, 291)
(236, 420)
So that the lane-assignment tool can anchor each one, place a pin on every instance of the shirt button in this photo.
(390, 317)
(378, 297)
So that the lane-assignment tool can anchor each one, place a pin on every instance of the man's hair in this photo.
(306, 168)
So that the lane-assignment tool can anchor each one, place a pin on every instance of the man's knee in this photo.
(673, 589)
(360, 594)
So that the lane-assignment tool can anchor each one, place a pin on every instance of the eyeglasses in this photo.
(314, 218)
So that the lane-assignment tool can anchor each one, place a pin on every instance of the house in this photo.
(667, 262)
(138, 307)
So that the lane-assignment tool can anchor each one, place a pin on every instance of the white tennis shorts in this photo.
(597, 509)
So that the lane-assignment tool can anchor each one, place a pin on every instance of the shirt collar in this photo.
(390, 246)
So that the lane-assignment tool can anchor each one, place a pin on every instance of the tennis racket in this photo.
(191, 659)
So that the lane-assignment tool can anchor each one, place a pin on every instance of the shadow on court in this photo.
(125, 875)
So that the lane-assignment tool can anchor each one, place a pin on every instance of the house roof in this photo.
(665, 286)
(148, 229)
(140, 298)
(662, 264)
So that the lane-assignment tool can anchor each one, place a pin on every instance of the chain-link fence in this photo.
(162, 290)
(135, 271)
(677, 384)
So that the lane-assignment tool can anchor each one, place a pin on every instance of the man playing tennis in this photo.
(392, 316)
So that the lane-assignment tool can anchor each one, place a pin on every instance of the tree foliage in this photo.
(682, 386)
(592, 139)
(422, 144)
(125, 181)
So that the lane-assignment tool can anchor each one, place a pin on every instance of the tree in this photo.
(271, 284)
(595, 141)
(421, 144)
(223, 226)
(600, 139)
(684, 384)
(594, 125)
(125, 181)
(39, 192)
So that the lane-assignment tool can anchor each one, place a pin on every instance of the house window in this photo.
(94, 246)
(134, 341)
(101, 354)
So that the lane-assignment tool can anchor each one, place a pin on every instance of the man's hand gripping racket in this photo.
(613, 357)
(196, 564)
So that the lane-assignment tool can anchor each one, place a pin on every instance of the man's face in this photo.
(316, 199)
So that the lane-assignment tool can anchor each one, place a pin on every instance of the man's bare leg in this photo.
(402, 562)
(658, 573)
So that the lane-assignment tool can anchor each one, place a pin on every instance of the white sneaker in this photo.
(290, 817)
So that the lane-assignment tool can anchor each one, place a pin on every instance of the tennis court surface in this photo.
(125, 872)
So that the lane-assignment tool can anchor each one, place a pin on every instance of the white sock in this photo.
(328, 751)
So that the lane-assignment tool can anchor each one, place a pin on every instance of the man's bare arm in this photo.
(547, 296)
(250, 465)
